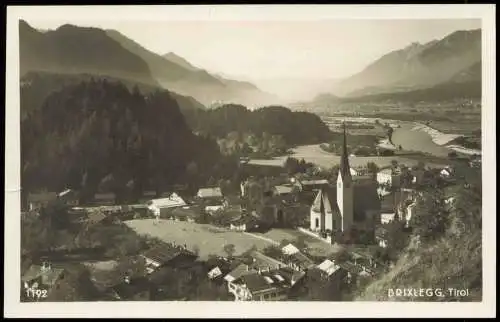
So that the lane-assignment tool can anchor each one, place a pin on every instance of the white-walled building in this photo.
(159, 206)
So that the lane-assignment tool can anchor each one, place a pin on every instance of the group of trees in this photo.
(250, 145)
(293, 166)
(360, 145)
(261, 128)
(98, 129)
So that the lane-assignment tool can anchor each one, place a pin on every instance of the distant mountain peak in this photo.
(416, 65)
(181, 61)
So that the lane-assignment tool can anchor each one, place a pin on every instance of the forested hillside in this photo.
(445, 248)
(294, 127)
(98, 129)
(37, 86)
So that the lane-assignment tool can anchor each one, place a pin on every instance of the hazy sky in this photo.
(278, 49)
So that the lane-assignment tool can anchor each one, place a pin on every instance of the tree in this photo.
(431, 216)
(229, 249)
(273, 252)
(300, 242)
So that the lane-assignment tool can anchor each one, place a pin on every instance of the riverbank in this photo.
(409, 140)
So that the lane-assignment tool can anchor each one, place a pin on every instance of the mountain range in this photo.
(439, 69)
(65, 50)
(455, 58)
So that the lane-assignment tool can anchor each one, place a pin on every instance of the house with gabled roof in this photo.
(39, 200)
(168, 255)
(160, 206)
(69, 196)
(41, 277)
(269, 285)
(212, 198)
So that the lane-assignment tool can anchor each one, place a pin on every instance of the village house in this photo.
(168, 255)
(162, 207)
(287, 193)
(330, 272)
(381, 237)
(446, 172)
(295, 259)
(69, 197)
(211, 198)
(41, 277)
(218, 267)
(244, 222)
(309, 184)
(388, 179)
(95, 217)
(268, 285)
(237, 272)
(39, 200)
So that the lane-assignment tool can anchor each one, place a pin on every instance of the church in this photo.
(349, 207)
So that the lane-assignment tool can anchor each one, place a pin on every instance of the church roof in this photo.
(365, 198)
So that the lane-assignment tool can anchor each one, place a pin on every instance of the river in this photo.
(410, 135)
(413, 136)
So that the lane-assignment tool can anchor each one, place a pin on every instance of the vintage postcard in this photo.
(250, 161)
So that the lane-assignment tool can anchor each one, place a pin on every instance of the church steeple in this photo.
(345, 169)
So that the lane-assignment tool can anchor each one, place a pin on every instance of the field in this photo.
(209, 239)
(314, 154)
(316, 246)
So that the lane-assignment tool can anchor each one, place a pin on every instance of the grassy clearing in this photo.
(317, 247)
(208, 239)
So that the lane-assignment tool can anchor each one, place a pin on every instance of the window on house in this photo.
(317, 222)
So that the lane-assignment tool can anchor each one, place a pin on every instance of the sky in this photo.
(274, 53)
(274, 49)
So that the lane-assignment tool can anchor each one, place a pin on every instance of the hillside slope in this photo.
(37, 86)
(179, 75)
(87, 131)
(416, 66)
(445, 246)
(446, 264)
(75, 50)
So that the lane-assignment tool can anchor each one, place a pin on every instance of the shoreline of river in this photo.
(438, 137)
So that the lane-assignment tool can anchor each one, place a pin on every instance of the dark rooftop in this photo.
(164, 254)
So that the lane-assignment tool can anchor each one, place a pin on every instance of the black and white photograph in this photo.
(242, 155)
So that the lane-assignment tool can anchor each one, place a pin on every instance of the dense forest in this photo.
(294, 127)
(98, 131)
(37, 86)
(106, 134)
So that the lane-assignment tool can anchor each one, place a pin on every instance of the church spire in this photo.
(345, 169)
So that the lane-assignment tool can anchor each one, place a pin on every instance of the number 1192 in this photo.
(36, 293)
